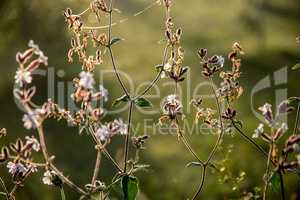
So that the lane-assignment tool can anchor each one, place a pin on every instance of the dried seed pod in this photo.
(3, 132)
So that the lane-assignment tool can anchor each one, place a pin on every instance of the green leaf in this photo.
(275, 182)
(130, 187)
(142, 102)
(297, 66)
(115, 40)
(119, 100)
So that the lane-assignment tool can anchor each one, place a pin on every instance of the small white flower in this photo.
(86, 80)
(104, 92)
(48, 176)
(267, 113)
(33, 142)
(284, 127)
(16, 167)
(172, 106)
(258, 131)
(167, 67)
(29, 121)
(103, 133)
(220, 61)
(122, 127)
(23, 77)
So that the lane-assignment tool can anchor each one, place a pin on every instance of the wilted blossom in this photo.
(108, 130)
(258, 131)
(48, 177)
(23, 77)
(16, 168)
(32, 143)
(267, 113)
(172, 106)
(86, 80)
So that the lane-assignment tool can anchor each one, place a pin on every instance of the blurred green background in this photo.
(266, 30)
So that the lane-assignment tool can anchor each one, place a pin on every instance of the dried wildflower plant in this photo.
(19, 156)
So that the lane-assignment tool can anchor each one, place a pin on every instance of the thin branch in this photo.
(297, 120)
(249, 139)
(221, 123)
(97, 167)
(201, 184)
(111, 52)
(126, 148)
(281, 185)
(267, 172)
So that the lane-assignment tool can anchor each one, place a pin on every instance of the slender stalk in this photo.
(297, 120)
(249, 139)
(111, 52)
(267, 172)
(156, 79)
(97, 167)
(62, 194)
(103, 149)
(281, 185)
(67, 181)
(201, 184)
(190, 149)
(221, 123)
(126, 148)
(83, 12)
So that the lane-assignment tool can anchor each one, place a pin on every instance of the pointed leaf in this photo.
(114, 41)
(142, 102)
(119, 100)
(297, 66)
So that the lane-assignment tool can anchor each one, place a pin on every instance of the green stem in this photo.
(62, 193)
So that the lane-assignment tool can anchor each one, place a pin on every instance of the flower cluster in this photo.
(230, 88)
(19, 158)
(273, 122)
(106, 131)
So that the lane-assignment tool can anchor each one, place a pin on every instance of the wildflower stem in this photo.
(189, 148)
(111, 52)
(106, 153)
(281, 185)
(297, 120)
(267, 172)
(156, 79)
(83, 12)
(67, 181)
(126, 148)
(201, 184)
(97, 167)
(62, 193)
(221, 124)
(249, 139)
